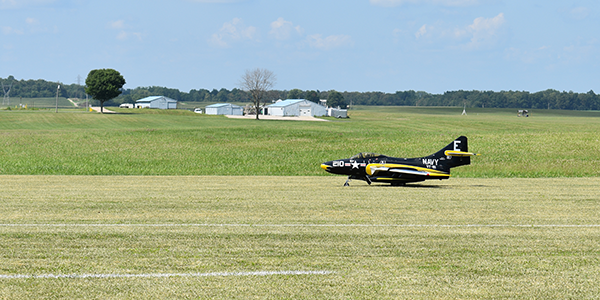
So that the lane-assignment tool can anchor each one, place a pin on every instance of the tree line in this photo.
(40, 88)
(547, 99)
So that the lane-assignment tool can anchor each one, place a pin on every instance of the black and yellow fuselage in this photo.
(386, 169)
(372, 167)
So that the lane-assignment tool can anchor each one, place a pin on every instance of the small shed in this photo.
(337, 112)
(160, 102)
(296, 108)
(224, 109)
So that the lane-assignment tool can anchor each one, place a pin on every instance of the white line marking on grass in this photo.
(303, 225)
(166, 275)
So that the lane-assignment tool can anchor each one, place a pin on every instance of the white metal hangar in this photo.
(160, 102)
(296, 108)
(224, 109)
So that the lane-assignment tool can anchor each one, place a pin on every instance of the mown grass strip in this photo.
(448, 243)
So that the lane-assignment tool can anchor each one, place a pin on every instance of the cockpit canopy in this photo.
(366, 155)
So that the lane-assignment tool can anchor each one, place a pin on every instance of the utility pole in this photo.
(57, 90)
(79, 94)
(6, 100)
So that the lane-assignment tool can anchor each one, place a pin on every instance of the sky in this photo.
(351, 45)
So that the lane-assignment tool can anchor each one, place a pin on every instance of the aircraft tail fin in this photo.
(454, 154)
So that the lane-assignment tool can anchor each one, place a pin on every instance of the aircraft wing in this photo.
(373, 169)
(410, 172)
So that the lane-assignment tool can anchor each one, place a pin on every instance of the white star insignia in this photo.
(355, 165)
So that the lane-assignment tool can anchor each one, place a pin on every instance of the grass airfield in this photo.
(241, 209)
(215, 236)
(155, 142)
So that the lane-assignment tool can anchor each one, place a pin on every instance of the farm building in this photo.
(160, 102)
(224, 109)
(295, 108)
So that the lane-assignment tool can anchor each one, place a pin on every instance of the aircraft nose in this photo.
(326, 165)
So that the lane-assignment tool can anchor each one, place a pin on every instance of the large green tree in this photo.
(103, 85)
(312, 96)
(335, 99)
(295, 94)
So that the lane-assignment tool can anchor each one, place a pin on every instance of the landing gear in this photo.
(365, 178)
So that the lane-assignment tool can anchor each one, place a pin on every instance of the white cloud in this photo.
(330, 42)
(392, 3)
(123, 34)
(31, 21)
(579, 13)
(397, 32)
(217, 1)
(232, 32)
(14, 4)
(485, 31)
(7, 30)
(283, 30)
(6, 4)
(117, 24)
(421, 32)
(32, 27)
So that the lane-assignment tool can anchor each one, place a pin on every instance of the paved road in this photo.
(106, 111)
(277, 118)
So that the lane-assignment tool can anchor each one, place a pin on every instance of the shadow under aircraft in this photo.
(372, 167)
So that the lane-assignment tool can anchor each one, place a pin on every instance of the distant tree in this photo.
(335, 99)
(258, 83)
(295, 94)
(222, 95)
(104, 85)
(238, 95)
(312, 96)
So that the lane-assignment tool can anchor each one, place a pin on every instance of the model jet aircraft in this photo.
(372, 167)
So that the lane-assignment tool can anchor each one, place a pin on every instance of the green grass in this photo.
(389, 247)
(486, 233)
(154, 142)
